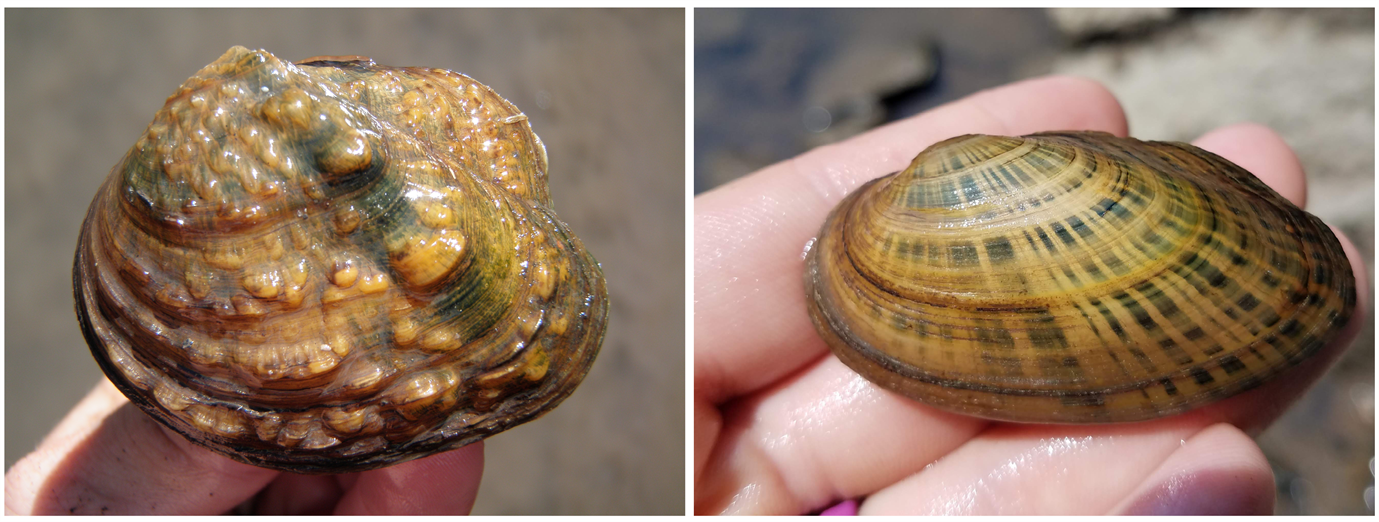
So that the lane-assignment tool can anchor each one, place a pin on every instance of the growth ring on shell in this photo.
(1073, 277)
(334, 266)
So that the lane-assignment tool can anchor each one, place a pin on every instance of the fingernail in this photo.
(1203, 493)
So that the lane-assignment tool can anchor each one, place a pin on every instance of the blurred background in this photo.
(605, 90)
(770, 84)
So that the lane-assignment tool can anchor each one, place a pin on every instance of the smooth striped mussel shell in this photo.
(1073, 277)
(333, 266)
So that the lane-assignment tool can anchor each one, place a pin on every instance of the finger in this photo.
(750, 323)
(824, 434)
(1219, 471)
(1263, 152)
(107, 457)
(294, 494)
(1035, 469)
(442, 484)
(1081, 470)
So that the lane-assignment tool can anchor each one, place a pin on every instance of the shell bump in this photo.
(333, 266)
(1073, 277)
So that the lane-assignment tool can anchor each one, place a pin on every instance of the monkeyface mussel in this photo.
(1073, 277)
(333, 266)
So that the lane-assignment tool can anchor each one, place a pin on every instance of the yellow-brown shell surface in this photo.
(333, 266)
(1073, 278)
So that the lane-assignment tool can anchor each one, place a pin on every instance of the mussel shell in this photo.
(335, 266)
(1073, 277)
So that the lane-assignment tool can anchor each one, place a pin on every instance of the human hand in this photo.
(107, 457)
(781, 426)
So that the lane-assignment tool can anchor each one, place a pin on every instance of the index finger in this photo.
(749, 315)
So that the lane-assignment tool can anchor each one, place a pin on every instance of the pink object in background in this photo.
(846, 508)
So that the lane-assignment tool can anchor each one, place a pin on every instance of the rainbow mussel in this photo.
(1073, 277)
(332, 266)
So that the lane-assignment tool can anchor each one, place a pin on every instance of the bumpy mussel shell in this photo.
(1073, 277)
(334, 266)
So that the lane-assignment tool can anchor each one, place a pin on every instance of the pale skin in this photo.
(782, 427)
(108, 457)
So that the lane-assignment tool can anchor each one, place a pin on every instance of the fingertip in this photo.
(1264, 153)
(1057, 102)
(1104, 110)
(441, 484)
(1218, 471)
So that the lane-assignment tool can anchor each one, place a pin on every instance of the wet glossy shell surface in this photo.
(1073, 278)
(333, 266)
